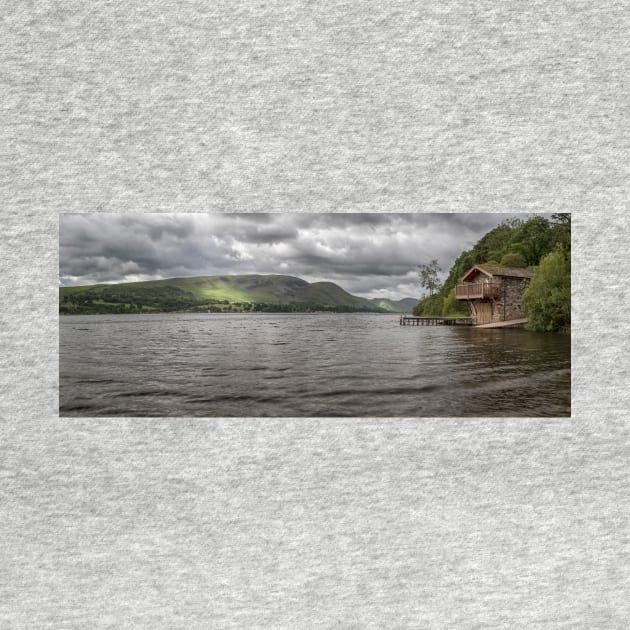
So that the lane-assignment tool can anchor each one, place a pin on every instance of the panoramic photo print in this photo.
(315, 315)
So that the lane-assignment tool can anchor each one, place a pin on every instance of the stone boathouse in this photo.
(494, 293)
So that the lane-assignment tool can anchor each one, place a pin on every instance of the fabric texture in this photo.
(314, 106)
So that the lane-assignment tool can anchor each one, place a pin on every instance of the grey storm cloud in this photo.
(374, 255)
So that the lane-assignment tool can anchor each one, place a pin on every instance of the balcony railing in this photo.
(477, 291)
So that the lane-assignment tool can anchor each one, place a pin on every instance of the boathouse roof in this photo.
(496, 270)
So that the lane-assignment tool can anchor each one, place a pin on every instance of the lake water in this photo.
(306, 365)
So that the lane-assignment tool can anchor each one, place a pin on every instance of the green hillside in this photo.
(395, 306)
(248, 293)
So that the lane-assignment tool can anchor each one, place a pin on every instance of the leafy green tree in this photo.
(561, 230)
(494, 244)
(452, 307)
(533, 240)
(429, 306)
(513, 259)
(429, 276)
(561, 218)
(547, 300)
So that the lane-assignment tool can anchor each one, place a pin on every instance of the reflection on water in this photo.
(306, 365)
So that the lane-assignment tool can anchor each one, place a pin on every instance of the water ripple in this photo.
(306, 365)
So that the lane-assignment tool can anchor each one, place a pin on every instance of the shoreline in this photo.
(256, 313)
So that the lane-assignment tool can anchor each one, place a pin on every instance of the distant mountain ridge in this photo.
(395, 306)
(228, 293)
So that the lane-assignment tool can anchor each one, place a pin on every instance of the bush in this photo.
(430, 306)
(547, 300)
(452, 307)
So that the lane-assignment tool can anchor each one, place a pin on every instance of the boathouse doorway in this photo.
(484, 312)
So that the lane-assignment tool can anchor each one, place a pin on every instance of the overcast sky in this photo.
(371, 255)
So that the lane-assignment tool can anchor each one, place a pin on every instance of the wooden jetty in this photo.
(407, 320)
(512, 323)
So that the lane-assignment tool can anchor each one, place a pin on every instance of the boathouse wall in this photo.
(509, 304)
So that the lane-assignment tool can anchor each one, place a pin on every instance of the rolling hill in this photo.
(395, 306)
(244, 293)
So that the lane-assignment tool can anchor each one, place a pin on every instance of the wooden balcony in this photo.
(477, 291)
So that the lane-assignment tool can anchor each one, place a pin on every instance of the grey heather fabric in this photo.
(314, 106)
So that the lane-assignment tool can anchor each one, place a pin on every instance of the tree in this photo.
(561, 230)
(547, 300)
(452, 307)
(533, 240)
(513, 259)
(494, 244)
(429, 276)
(561, 218)
(429, 306)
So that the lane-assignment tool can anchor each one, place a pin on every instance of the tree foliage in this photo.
(547, 300)
(429, 276)
(533, 240)
(429, 306)
(561, 227)
(513, 259)
(452, 307)
(496, 243)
